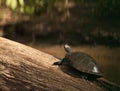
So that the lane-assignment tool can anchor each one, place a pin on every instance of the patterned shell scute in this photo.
(83, 62)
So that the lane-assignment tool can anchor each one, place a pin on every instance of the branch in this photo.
(23, 68)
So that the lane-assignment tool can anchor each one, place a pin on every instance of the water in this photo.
(108, 59)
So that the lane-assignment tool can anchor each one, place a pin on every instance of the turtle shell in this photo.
(83, 62)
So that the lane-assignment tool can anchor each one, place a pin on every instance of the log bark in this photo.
(23, 68)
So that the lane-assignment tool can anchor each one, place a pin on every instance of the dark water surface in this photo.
(108, 59)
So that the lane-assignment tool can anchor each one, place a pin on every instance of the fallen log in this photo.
(23, 68)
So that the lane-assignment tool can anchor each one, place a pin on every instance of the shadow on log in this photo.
(23, 68)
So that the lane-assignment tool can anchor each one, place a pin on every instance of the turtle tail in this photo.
(67, 48)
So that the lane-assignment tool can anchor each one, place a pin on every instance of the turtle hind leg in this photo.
(58, 63)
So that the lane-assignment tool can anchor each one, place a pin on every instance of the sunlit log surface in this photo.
(23, 68)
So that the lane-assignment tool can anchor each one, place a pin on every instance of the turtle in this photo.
(82, 62)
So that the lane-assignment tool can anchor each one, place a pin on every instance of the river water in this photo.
(107, 58)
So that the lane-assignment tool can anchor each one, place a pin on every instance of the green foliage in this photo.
(28, 6)
(21, 2)
(104, 7)
(15, 4)
(12, 3)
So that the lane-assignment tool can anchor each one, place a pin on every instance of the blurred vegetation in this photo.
(27, 7)
(104, 7)
(81, 21)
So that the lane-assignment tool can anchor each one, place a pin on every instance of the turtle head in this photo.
(67, 48)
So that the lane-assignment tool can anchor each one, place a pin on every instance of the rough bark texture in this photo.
(23, 68)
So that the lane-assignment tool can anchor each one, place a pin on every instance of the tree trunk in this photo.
(23, 68)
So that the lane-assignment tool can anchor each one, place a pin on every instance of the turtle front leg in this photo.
(58, 63)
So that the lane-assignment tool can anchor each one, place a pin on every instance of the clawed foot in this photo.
(57, 63)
